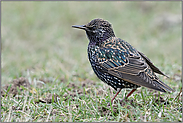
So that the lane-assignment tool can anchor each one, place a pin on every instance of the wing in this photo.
(125, 62)
(154, 68)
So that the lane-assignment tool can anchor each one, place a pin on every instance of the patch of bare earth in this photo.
(14, 85)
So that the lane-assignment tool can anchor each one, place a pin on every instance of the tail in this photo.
(161, 86)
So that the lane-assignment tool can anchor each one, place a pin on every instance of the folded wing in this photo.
(133, 67)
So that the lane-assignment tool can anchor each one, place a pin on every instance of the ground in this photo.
(46, 75)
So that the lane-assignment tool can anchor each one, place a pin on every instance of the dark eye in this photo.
(105, 24)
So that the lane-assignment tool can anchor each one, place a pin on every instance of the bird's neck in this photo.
(98, 42)
(99, 39)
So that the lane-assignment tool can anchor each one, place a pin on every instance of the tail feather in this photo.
(162, 86)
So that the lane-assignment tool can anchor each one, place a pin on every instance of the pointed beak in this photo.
(79, 26)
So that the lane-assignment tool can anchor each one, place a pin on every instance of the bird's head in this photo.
(97, 30)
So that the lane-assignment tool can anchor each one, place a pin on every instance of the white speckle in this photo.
(108, 77)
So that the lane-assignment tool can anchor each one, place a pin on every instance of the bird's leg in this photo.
(130, 93)
(124, 99)
(118, 90)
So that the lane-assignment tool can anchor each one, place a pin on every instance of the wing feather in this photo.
(154, 68)
(133, 67)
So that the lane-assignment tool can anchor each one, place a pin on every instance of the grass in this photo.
(39, 44)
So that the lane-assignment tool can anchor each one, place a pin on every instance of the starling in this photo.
(118, 63)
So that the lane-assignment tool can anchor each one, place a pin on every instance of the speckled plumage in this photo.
(117, 63)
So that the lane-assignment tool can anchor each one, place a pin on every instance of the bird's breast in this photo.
(92, 54)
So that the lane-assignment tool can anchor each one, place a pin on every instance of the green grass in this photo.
(38, 43)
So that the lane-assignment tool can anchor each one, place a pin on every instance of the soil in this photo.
(12, 86)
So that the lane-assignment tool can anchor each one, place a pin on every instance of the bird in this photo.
(118, 63)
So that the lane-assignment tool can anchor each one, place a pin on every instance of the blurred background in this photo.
(39, 42)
